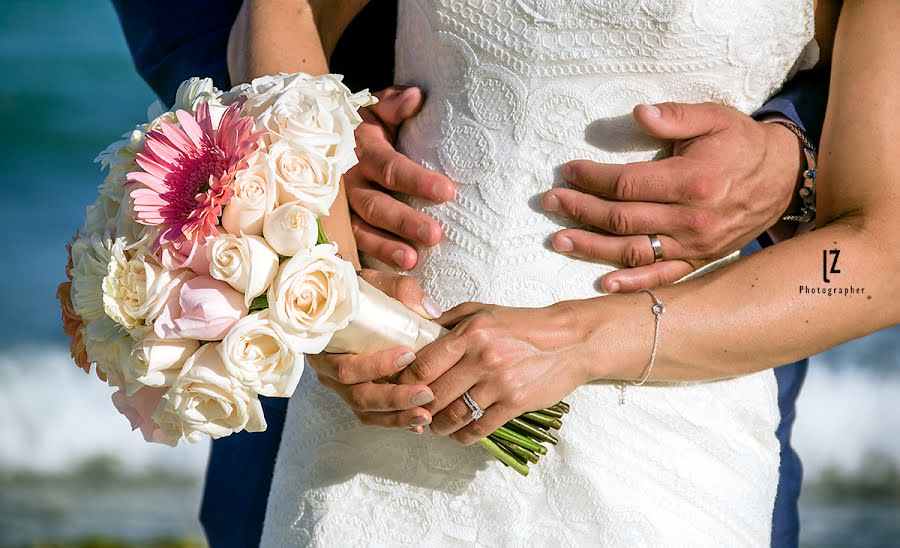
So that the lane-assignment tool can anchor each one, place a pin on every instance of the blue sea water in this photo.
(69, 466)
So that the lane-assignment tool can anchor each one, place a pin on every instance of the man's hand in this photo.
(360, 379)
(382, 225)
(729, 180)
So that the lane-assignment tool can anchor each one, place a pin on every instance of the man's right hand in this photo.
(362, 380)
(383, 226)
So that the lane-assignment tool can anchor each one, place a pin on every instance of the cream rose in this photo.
(314, 294)
(205, 399)
(291, 228)
(154, 361)
(246, 263)
(254, 197)
(135, 290)
(302, 174)
(256, 352)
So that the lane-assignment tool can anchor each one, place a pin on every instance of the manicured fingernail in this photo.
(653, 110)
(405, 359)
(418, 421)
(567, 173)
(421, 398)
(613, 287)
(551, 202)
(563, 244)
(423, 233)
(398, 257)
(432, 308)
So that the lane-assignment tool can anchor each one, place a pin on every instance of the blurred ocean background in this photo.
(71, 470)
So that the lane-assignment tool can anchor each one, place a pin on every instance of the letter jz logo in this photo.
(826, 270)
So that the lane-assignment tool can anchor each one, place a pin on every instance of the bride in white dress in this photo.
(515, 89)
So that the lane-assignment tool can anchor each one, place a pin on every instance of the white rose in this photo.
(246, 263)
(318, 111)
(254, 197)
(256, 352)
(193, 92)
(291, 228)
(261, 92)
(153, 361)
(205, 399)
(314, 294)
(302, 174)
(135, 290)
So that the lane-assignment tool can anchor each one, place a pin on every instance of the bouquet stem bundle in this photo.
(520, 441)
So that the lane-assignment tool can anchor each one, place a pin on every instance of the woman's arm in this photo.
(272, 36)
(757, 313)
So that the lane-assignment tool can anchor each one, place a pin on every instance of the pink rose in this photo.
(139, 408)
(188, 254)
(205, 309)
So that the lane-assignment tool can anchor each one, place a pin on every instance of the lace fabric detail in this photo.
(515, 89)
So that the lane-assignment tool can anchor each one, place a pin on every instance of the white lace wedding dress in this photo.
(516, 88)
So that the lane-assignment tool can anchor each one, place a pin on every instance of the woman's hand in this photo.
(361, 380)
(511, 360)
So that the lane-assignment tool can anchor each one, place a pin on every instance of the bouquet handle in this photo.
(381, 324)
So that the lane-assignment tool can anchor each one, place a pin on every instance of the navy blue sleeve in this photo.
(803, 101)
(172, 40)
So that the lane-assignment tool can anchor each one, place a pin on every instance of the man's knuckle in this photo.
(388, 172)
(633, 255)
(676, 111)
(619, 221)
(624, 186)
(368, 207)
(343, 372)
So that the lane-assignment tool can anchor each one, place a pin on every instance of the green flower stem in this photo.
(504, 456)
(520, 452)
(323, 238)
(563, 406)
(543, 420)
(518, 439)
(551, 412)
(531, 431)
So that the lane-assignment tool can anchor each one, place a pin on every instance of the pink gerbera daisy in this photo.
(188, 177)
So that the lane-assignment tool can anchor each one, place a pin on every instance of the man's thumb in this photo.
(397, 104)
(679, 121)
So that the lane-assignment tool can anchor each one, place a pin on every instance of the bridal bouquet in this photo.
(202, 275)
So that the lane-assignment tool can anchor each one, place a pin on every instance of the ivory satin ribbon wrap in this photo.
(383, 323)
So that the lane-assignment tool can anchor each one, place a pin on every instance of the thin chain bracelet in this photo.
(658, 309)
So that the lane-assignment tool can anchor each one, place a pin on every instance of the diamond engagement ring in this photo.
(477, 411)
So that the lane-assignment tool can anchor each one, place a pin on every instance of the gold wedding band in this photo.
(657, 247)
